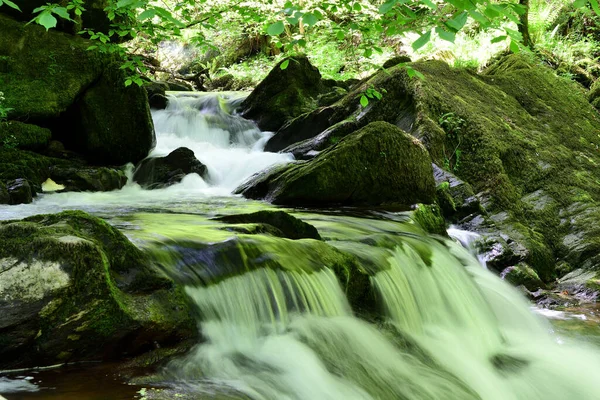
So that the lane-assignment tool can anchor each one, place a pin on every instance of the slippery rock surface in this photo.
(158, 172)
(73, 288)
(379, 164)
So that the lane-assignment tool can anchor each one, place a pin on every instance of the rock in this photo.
(429, 216)
(24, 136)
(378, 164)
(160, 172)
(93, 179)
(78, 94)
(392, 62)
(301, 128)
(20, 192)
(284, 94)
(114, 134)
(336, 93)
(73, 288)
(523, 274)
(15, 164)
(179, 86)
(4, 196)
(283, 224)
(157, 97)
(455, 196)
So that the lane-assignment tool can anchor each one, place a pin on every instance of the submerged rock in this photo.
(157, 172)
(379, 164)
(278, 223)
(73, 288)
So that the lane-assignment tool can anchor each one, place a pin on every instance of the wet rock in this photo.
(392, 62)
(93, 179)
(454, 195)
(279, 223)
(379, 164)
(160, 172)
(157, 97)
(284, 94)
(73, 288)
(20, 191)
(301, 128)
(523, 274)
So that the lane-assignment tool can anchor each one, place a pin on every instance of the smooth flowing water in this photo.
(275, 318)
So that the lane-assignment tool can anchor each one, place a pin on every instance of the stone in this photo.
(92, 179)
(20, 192)
(158, 172)
(284, 94)
(279, 223)
(71, 275)
(24, 136)
(157, 98)
(378, 164)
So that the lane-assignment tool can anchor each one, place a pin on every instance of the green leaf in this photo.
(385, 7)
(149, 13)
(514, 46)
(276, 29)
(62, 12)
(357, 6)
(340, 35)
(46, 19)
(310, 19)
(579, 3)
(10, 4)
(124, 3)
(422, 41)
(413, 73)
(364, 101)
(37, 10)
(284, 64)
(498, 39)
(429, 4)
(458, 21)
(368, 52)
(445, 35)
(477, 16)
(128, 82)
(594, 4)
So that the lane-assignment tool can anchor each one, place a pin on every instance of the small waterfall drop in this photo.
(230, 146)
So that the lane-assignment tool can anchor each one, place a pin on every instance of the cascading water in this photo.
(230, 146)
(275, 321)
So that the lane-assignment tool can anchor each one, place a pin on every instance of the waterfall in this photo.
(448, 328)
(230, 146)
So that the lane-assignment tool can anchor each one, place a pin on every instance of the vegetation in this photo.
(345, 39)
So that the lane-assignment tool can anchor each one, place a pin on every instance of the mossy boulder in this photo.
(278, 223)
(74, 288)
(379, 164)
(15, 164)
(24, 136)
(522, 139)
(158, 172)
(88, 179)
(284, 94)
(78, 94)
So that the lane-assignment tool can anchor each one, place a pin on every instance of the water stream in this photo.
(275, 319)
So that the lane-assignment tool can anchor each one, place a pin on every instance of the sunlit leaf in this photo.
(276, 29)
(422, 41)
(46, 19)
(364, 101)
(445, 35)
(458, 21)
(284, 64)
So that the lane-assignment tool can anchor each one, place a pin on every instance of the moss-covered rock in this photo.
(379, 164)
(523, 274)
(15, 164)
(24, 136)
(90, 179)
(74, 288)
(429, 216)
(282, 224)
(284, 94)
(80, 95)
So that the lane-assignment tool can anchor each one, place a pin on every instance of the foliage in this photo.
(453, 126)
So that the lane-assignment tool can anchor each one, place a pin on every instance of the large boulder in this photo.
(74, 288)
(24, 136)
(284, 94)
(378, 164)
(79, 94)
(158, 172)
(90, 179)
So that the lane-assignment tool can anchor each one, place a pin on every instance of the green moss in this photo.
(378, 164)
(429, 216)
(25, 136)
